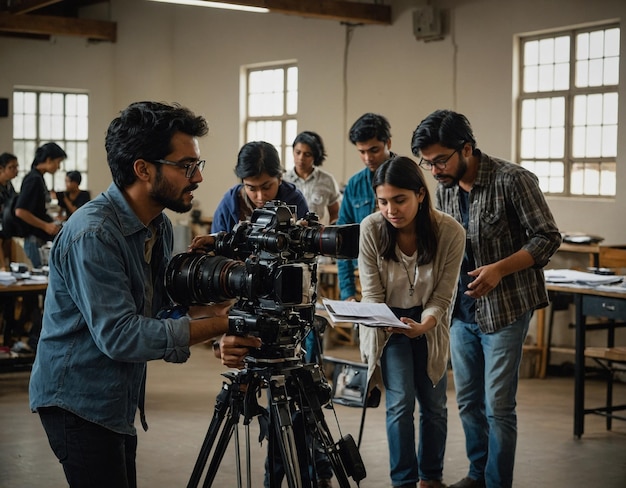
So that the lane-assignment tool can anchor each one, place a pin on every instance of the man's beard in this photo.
(163, 193)
(453, 180)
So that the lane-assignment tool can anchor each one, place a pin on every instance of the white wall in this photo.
(193, 56)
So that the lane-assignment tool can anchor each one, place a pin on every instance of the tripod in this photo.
(291, 385)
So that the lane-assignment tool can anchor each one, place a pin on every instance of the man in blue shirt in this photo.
(371, 134)
(106, 286)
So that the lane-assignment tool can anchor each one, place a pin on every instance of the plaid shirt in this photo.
(507, 212)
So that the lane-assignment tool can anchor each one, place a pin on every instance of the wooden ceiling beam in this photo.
(24, 6)
(343, 11)
(63, 26)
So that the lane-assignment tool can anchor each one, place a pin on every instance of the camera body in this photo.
(268, 264)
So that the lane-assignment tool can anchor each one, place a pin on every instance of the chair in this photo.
(614, 258)
(351, 388)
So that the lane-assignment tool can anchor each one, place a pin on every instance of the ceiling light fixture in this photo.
(228, 6)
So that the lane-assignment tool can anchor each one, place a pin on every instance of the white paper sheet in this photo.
(370, 314)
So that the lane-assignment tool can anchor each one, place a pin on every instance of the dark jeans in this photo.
(92, 456)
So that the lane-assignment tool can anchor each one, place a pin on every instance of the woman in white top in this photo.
(409, 258)
(319, 187)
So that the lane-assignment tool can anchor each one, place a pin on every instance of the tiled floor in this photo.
(181, 400)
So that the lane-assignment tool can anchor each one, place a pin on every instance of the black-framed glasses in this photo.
(190, 167)
(439, 163)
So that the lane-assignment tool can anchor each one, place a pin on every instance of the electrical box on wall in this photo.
(427, 23)
(4, 107)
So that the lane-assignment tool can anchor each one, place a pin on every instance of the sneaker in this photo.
(431, 484)
(324, 483)
(468, 482)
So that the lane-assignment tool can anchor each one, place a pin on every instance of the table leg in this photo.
(579, 369)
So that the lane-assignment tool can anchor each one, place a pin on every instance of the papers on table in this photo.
(580, 277)
(7, 278)
(370, 314)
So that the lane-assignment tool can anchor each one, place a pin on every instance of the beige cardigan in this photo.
(373, 275)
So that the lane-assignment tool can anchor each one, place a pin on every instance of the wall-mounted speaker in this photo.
(4, 107)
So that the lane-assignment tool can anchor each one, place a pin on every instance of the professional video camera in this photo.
(269, 265)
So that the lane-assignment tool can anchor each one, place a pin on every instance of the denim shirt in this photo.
(507, 212)
(96, 336)
(358, 202)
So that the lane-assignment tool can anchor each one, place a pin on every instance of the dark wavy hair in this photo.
(314, 141)
(256, 158)
(369, 126)
(6, 158)
(403, 172)
(445, 127)
(144, 130)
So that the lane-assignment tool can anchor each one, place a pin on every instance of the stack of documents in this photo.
(580, 277)
(7, 278)
(370, 314)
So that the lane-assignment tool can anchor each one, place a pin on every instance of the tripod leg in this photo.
(221, 406)
(309, 382)
(281, 418)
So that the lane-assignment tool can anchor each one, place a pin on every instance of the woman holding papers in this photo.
(409, 258)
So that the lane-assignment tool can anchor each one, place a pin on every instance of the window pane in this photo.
(561, 50)
(609, 141)
(531, 53)
(531, 79)
(528, 143)
(608, 181)
(561, 76)
(596, 72)
(528, 113)
(611, 71)
(557, 142)
(596, 45)
(611, 42)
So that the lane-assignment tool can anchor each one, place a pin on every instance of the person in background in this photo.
(12, 329)
(8, 171)
(319, 187)
(409, 258)
(511, 235)
(258, 167)
(73, 197)
(321, 192)
(106, 286)
(32, 202)
(371, 134)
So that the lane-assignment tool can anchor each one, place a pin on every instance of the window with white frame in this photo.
(272, 107)
(567, 110)
(41, 116)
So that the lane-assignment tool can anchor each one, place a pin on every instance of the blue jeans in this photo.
(404, 363)
(92, 456)
(486, 370)
(31, 249)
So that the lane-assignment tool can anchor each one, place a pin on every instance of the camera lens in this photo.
(201, 278)
(339, 241)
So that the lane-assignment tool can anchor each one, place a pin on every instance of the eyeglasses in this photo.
(439, 164)
(190, 167)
